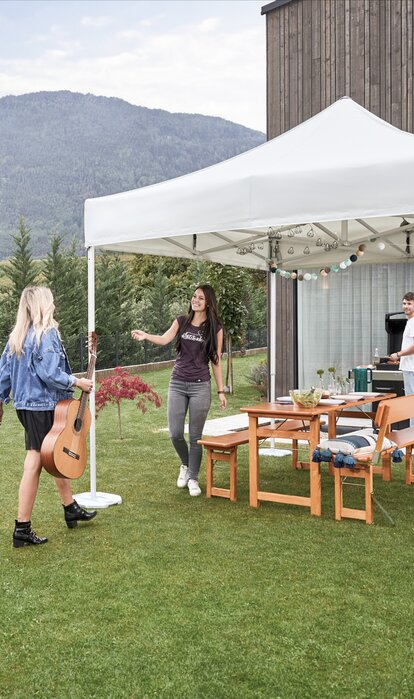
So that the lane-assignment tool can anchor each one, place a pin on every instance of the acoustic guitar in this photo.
(63, 452)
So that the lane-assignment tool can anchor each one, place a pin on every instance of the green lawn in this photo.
(175, 597)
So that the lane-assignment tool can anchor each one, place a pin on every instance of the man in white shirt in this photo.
(406, 353)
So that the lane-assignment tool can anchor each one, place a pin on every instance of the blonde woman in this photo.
(34, 368)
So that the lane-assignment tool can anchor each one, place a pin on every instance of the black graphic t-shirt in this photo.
(191, 363)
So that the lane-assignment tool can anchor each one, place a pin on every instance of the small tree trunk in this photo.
(119, 420)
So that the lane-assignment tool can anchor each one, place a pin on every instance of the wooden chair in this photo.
(389, 411)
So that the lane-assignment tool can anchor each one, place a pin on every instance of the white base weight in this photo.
(274, 452)
(99, 500)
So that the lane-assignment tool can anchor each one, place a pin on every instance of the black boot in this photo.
(24, 535)
(74, 513)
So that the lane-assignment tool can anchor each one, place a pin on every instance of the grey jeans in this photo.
(194, 398)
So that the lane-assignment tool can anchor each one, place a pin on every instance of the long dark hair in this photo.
(209, 328)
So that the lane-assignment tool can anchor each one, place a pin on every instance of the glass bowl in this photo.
(306, 398)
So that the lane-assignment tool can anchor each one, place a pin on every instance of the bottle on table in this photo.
(376, 357)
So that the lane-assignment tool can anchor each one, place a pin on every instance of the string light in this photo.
(324, 271)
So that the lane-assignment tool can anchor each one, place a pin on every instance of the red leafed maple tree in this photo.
(122, 385)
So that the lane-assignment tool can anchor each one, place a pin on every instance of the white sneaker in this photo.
(193, 487)
(182, 479)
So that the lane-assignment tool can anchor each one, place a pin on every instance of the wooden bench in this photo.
(224, 448)
(389, 412)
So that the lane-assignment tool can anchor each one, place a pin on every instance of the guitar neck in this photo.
(84, 397)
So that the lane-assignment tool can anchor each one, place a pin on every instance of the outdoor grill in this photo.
(387, 378)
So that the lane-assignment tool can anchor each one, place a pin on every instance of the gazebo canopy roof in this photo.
(315, 193)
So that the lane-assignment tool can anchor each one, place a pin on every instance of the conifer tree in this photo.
(113, 295)
(21, 270)
(65, 274)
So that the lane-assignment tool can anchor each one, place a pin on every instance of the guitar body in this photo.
(63, 452)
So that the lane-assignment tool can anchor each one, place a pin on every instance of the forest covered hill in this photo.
(59, 148)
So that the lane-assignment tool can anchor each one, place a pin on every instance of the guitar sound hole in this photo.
(78, 424)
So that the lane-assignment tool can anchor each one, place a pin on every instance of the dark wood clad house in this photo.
(317, 52)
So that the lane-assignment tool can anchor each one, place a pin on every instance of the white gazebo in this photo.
(344, 174)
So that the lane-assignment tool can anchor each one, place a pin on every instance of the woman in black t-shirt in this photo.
(199, 342)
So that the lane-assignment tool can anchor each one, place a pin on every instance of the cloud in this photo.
(129, 35)
(95, 22)
(208, 25)
(220, 73)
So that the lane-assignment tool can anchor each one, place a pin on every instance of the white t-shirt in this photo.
(407, 363)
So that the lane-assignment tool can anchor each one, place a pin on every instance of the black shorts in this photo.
(36, 423)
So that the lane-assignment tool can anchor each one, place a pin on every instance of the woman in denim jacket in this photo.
(34, 368)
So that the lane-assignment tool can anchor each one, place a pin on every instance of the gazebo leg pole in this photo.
(271, 371)
(94, 499)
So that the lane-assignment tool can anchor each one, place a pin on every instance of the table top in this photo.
(275, 409)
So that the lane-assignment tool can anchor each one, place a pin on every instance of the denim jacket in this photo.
(40, 377)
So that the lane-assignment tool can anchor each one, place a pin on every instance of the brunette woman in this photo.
(34, 368)
(199, 341)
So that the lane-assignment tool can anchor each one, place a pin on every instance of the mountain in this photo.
(59, 148)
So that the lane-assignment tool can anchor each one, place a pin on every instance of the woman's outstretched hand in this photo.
(138, 335)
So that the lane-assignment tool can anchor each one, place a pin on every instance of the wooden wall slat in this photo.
(293, 65)
(299, 45)
(306, 61)
(316, 57)
(367, 54)
(409, 32)
(357, 50)
(373, 70)
(322, 40)
(403, 65)
(333, 44)
(395, 63)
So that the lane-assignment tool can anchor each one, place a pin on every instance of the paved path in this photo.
(230, 423)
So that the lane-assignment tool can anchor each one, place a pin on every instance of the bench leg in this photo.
(338, 494)
(229, 456)
(233, 475)
(408, 465)
(386, 467)
(369, 487)
(294, 453)
(209, 472)
(341, 512)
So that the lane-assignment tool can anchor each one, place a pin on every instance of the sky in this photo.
(194, 56)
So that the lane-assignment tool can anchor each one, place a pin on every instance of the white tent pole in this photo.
(272, 338)
(272, 451)
(91, 328)
(94, 499)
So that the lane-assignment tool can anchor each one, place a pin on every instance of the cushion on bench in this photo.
(360, 442)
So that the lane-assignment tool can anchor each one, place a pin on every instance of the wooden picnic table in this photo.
(311, 418)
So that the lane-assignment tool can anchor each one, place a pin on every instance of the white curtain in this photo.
(341, 317)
